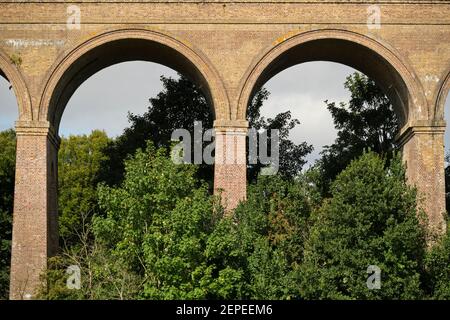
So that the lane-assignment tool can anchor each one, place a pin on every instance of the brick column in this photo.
(423, 152)
(35, 224)
(230, 169)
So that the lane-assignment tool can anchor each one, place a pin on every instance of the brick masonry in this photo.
(229, 48)
(230, 165)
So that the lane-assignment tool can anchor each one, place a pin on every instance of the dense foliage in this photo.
(368, 121)
(141, 227)
(157, 239)
(371, 219)
(179, 105)
(272, 226)
(7, 167)
(437, 270)
(164, 237)
(80, 169)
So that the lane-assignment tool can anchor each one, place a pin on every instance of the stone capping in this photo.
(419, 127)
(231, 131)
(228, 126)
(38, 128)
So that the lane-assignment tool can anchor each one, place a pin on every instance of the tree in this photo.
(447, 183)
(158, 222)
(368, 121)
(292, 155)
(178, 106)
(437, 271)
(80, 169)
(7, 174)
(371, 219)
(272, 226)
(154, 239)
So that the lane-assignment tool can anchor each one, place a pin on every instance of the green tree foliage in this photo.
(176, 107)
(162, 236)
(371, 219)
(154, 240)
(271, 228)
(180, 104)
(7, 172)
(368, 121)
(292, 155)
(447, 184)
(153, 231)
(102, 276)
(159, 222)
(437, 269)
(80, 163)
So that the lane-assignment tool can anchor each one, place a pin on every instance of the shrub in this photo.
(371, 219)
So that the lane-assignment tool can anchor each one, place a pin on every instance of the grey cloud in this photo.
(302, 90)
(104, 100)
(315, 78)
(8, 105)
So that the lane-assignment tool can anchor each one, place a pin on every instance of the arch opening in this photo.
(9, 110)
(441, 110)
(85, 62)
(323, 83)
(11, 73)
(104, 101)
(338, 48)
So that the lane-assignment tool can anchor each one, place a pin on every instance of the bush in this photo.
(271, 227)
(7, 171)
(371, 219)
(437, 270)
(155, 240)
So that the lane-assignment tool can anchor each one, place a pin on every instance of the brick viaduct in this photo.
(229, 48)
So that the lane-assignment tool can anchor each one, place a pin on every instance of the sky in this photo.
(104, 100)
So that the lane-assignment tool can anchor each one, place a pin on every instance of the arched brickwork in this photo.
(361, 52)
(35, 226)
(421, 140)
(229, 48)
(444, 88)
(9, 71)
(126, 45)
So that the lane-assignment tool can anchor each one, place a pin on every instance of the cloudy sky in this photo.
(103, 101)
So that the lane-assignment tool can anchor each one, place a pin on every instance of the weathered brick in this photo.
(229, 48)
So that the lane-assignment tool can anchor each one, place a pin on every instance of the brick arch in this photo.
(12, 74)
(376, 60)
(444, 89)
(127, 45)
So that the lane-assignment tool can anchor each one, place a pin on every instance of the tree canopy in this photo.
(140, 226)
(371, 219)
(178, 106)
(7, 173)
(367, 122)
